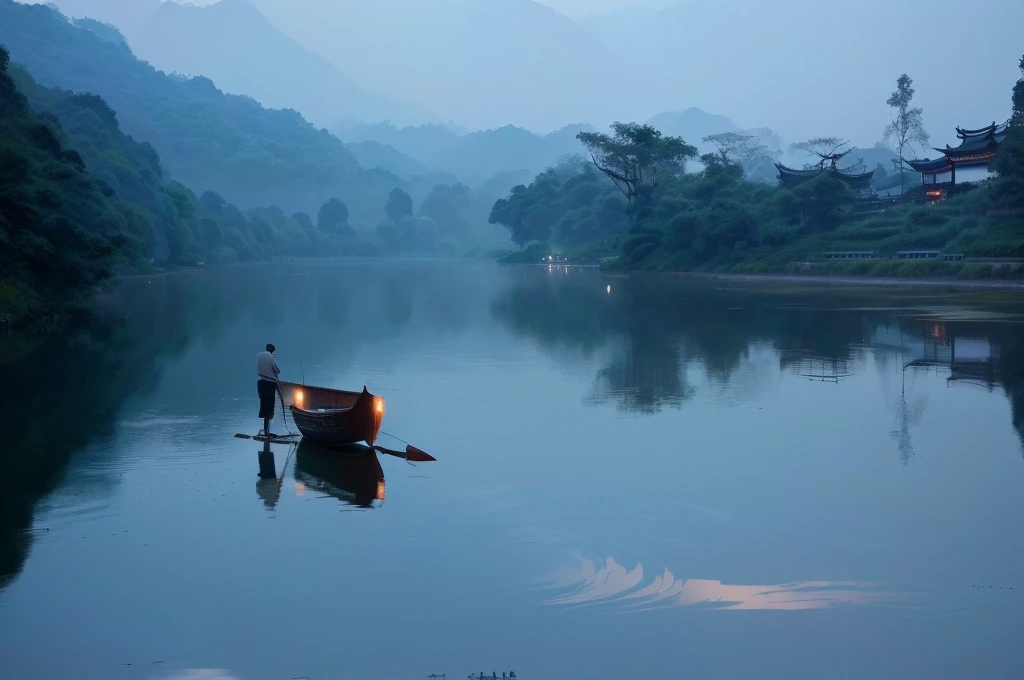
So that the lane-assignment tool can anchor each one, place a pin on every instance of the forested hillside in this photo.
(207, 140)
(61, 230)
(655, 215)
(81, 201)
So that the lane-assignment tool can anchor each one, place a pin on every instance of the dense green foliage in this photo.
(716, 220)
(208, 140)
(634, 157)
(1010, 162)
(61, 230)
(399, 205)
(80, 200)
(571, 206)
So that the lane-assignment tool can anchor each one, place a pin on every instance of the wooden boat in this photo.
(334, 418)
(351, 474)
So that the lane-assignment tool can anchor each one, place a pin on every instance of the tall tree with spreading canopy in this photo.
(828, 150)
(398, 206)
(634, 155)
(906, 129)
(511, 213)
(747, 151)
(333, 217)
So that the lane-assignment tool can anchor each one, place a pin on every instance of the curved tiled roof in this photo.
(941, 164)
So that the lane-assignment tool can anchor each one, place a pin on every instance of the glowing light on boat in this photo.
(380, 490)
(299, 398)
(378, 404)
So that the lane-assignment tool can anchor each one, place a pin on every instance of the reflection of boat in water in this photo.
(334, 417)
(351, 473)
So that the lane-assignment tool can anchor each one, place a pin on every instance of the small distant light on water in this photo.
(608, 289)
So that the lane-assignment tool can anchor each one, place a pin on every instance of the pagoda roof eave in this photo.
(937, 165)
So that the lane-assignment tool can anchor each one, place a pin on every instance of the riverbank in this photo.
(841, 280)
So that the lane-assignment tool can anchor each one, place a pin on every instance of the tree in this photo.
(906, 129)
(304, 221)
(822, 201)
(447, 205)
(635, 154)
(1010, 160)
(398, 206)
(333, 216)
(826, 149)
(745, 150)
(511, 213)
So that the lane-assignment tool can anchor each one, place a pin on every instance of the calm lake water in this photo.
(637, 477)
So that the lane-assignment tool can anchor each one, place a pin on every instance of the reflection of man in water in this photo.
(268, 487)
(267, 372)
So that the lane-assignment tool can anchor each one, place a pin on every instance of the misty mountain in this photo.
(234, 45)
(608, 27)
(804, 68)
(692, 124)
(127, 15)
(371, 154)
(476, 156)
(207, 140)
(169, 222)
(482, 64)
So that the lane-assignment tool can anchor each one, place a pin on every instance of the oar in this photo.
(411, 453)
(282, 439)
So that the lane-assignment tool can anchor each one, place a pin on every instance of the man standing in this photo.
(267, 372)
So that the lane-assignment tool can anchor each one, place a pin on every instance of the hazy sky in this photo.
(801, 67)
(574, 9)
(578, 9)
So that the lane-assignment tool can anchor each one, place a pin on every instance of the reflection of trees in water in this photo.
(644, 378)
(398, 301)
(1010, 372)
(657, 328)
(557, 310)
(908, 413)
(67, 389)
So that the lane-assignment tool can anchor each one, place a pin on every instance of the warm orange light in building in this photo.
(298, 397)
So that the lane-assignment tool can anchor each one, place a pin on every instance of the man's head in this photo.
(271, 348)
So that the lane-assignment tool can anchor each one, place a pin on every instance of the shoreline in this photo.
(883, 282)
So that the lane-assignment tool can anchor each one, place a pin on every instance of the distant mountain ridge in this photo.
(481, 63)
(476, 156)
(234, 45)
(206, 139)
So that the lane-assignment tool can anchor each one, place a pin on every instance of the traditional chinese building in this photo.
(970, 161)
(791, 178)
